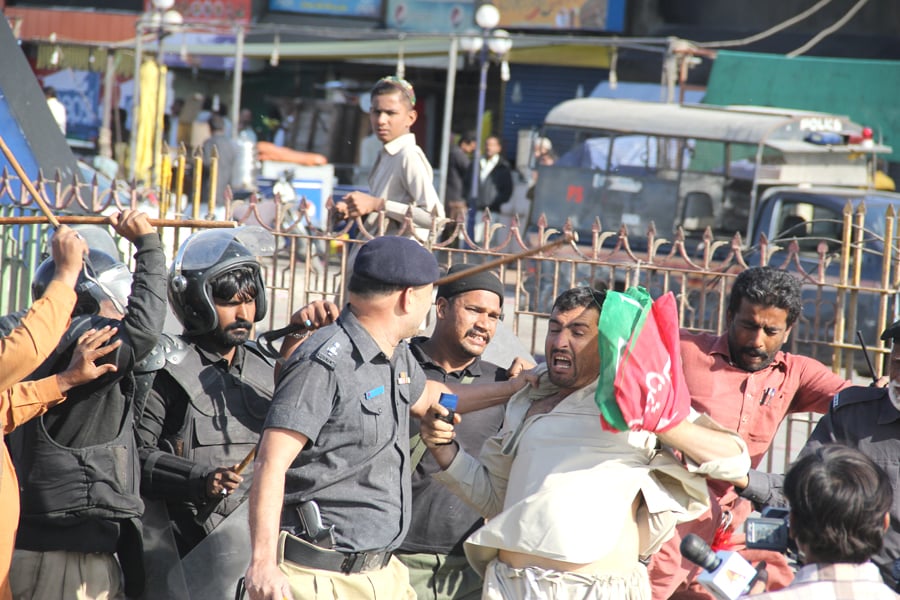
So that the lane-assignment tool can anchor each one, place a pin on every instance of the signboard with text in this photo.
(124, 5)
(432, 16)
(456, 16)
(79, 91)
(591, 15)
(341, 8)
(200, 11)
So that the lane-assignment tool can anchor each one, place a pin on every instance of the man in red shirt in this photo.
(746, 383)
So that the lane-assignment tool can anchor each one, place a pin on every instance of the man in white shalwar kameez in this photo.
(571, 508)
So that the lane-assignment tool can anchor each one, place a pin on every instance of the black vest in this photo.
(225, 413)
(98, 481)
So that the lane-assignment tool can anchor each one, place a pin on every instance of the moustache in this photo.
(754, 353)
(239, 324)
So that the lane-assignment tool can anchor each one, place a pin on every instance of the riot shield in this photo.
(213, 567)
(164, 576)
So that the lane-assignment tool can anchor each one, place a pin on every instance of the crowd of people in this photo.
(360, 480)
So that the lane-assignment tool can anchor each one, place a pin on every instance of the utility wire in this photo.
(768, 32)
(828, 30)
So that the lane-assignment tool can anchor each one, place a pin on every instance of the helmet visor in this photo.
(113, 284)
(207, 248)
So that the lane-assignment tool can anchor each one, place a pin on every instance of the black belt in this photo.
(305, 554)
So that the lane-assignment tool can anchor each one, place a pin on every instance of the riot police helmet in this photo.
(207, 255)
(103, 278)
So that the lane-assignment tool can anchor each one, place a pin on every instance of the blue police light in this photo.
(824, 138)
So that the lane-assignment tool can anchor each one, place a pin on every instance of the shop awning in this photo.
(84, 26)
(523, 51)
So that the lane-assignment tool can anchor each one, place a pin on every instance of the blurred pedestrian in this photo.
(225, 165)
(495, 187)
(57, 108)
(245, 126)
(172, 123)
(457, 189)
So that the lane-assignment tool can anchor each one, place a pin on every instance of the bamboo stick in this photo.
(100, 220)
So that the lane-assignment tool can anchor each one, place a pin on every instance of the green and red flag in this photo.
(641, 384)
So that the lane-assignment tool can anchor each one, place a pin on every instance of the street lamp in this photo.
(498, 43)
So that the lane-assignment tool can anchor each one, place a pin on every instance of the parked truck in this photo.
(778, 178)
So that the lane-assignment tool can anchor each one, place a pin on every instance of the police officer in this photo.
(78, 465)
(467, 312)
(332, 492)
(868, 419)
(212, 386)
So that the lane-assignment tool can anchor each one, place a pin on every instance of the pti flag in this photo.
(641, 384)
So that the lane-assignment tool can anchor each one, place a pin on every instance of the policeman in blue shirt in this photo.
(331, 497)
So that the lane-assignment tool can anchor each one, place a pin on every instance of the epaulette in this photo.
(856, 395)
(169, 348)
(328, 352)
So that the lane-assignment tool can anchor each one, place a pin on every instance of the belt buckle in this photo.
(348, 565)
(374, 561)
(358, 562)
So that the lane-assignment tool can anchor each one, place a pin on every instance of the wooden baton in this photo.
(27, 183)
(210, 507)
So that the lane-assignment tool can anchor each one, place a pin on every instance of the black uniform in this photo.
(863, 418)
(440, 520)
(209, 413)
(77, 465)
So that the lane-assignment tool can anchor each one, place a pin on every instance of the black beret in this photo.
(892, 332)
(479, 281)
(396, 261)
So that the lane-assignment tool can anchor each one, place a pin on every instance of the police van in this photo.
(628, 162)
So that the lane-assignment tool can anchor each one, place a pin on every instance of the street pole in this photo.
(161, 84)
(482, 91)
(237, 81)
(104, 140)
(135, 99)
(446, 140)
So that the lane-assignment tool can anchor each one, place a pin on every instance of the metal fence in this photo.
(309, 263)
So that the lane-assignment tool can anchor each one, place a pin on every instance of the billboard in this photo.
(340, 8)
(79, 91)
(432, 16)
(199, 11)
(584, 15)
(123, 5)
(457, 16)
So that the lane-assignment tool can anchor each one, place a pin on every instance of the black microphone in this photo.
(726, 575)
